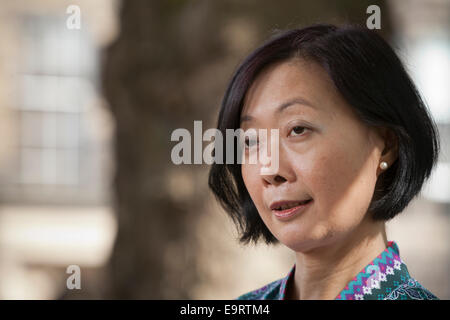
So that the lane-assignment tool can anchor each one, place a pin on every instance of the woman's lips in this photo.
(289, 213)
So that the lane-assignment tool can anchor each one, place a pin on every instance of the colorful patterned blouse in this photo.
(385, 278)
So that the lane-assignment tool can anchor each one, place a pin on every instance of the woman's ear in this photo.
(389, 149)
(390, 152)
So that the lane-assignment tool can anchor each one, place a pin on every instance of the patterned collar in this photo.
(386, 277)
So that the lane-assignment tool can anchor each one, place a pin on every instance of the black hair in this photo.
(372, 79)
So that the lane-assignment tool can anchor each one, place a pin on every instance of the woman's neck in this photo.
(323, 272)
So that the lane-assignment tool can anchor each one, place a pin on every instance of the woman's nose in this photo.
(280, 166)
(274, 179)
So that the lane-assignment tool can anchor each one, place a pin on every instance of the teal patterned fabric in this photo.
(384, 278)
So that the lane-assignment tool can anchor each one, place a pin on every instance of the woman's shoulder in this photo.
(410, 290)
(274, 290)
(270, 291)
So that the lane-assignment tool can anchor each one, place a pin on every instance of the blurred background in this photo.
(86, 116)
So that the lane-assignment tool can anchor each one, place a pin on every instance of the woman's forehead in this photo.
(304, 82)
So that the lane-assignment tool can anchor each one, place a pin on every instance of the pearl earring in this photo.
(383, 165)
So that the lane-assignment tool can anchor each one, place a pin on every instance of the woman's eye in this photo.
(297, 130)
(250, 142)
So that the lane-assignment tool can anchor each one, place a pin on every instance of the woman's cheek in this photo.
(250, 175)
(322, 177)
(338, 198)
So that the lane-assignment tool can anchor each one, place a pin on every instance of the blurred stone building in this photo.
(55, 158)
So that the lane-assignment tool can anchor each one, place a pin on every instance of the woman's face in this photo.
(325, 153)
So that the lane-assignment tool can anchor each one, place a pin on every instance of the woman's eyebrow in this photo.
(283, 106)
(293, 101)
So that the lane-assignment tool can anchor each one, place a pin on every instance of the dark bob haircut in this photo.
(371, 78)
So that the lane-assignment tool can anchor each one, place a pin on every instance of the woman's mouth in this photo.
(286, 209)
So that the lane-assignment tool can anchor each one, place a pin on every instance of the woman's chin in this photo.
(305, 242)
(298, 244)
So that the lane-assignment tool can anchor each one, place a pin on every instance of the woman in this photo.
(355, 145)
